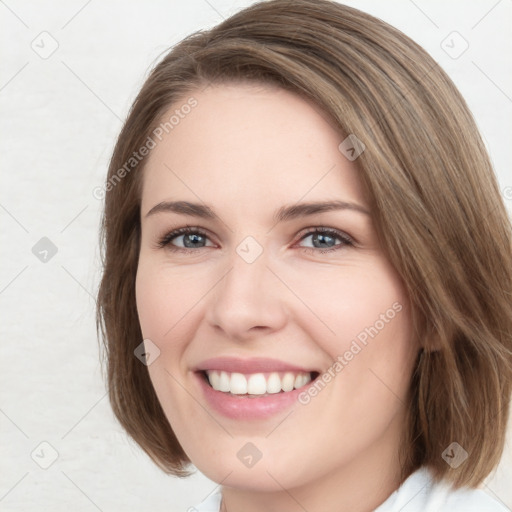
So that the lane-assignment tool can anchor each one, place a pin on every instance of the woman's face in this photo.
(262, 298)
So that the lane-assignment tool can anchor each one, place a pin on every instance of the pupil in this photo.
(322, 238)
(195, 238)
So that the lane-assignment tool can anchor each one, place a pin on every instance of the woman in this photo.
(307, 270)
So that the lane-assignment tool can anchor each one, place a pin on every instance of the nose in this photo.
(249, 301)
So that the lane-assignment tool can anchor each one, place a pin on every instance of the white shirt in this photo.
(417, 494)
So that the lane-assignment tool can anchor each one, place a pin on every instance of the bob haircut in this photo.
(435, 201)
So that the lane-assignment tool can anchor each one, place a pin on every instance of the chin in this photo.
(264, 476)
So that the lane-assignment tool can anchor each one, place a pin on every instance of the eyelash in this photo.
(166, 240)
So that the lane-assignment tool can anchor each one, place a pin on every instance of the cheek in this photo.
(164, 301)
(165, 306)
(339, 303)
(362, 317)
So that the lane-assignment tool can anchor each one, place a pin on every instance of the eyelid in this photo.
(324, 229)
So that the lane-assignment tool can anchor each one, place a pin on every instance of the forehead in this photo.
(249, 145)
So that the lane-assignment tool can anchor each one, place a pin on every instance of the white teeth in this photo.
(224, 382)
(288, 382)
(273, 383)
(214, 380)
(301, 380)
(256, 383)
(238, 384)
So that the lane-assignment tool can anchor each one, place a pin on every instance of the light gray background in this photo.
(60, 116)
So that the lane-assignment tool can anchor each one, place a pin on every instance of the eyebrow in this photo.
(285, 213)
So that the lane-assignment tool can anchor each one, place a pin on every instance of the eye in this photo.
(324, 240)
(191, 238)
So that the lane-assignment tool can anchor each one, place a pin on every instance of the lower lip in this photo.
(242, 407)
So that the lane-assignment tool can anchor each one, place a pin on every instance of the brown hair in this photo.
(435, 200)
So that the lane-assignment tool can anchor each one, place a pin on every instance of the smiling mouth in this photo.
(256, 385)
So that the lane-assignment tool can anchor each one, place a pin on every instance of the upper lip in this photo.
(253, 365)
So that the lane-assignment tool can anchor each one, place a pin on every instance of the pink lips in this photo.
(243, 407)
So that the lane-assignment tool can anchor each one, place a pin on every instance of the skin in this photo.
(246, 151)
